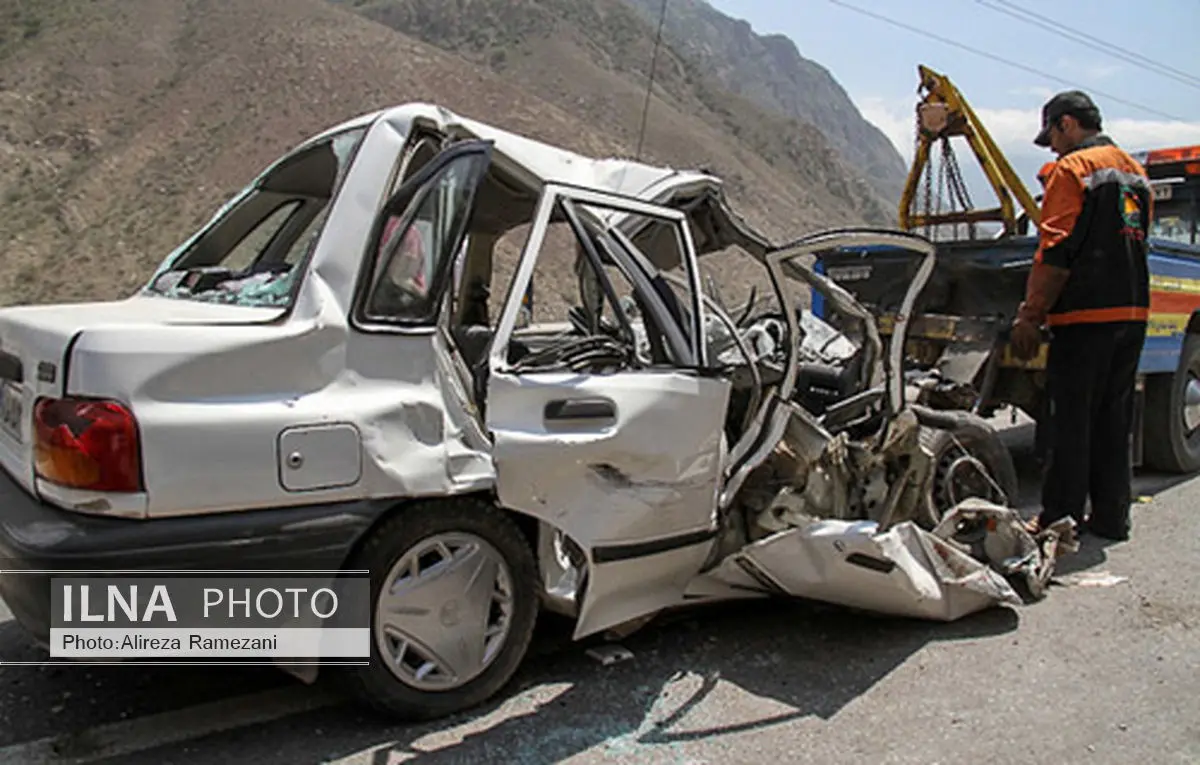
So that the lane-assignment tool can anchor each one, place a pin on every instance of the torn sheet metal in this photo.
(996, 534)
(904, 571)
(960, 568)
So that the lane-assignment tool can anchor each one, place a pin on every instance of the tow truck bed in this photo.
(973, 295)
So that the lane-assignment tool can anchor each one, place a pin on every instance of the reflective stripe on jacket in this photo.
(1095, 219)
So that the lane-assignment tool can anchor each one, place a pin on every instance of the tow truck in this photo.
(959, 326)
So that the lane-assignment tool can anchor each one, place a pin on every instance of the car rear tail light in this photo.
(86, 444)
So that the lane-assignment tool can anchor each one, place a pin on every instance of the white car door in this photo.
(626, 460)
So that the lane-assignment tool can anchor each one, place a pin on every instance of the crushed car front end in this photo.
(843, 508)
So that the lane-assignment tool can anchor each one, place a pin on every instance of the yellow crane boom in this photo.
(943, 113)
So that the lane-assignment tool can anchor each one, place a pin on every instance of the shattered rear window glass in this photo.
(254, 250)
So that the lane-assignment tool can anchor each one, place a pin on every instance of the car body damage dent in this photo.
(828, 485)
(561, 564)
(621, 591)
(651, 491)
(644, 494)
(616, 479)
(416, 445)
(654, 496)
(995, 534)
(904, 571)
(663, 431)
(840, 507)
(960, 567)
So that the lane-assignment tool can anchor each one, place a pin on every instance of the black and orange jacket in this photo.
(1095, 219)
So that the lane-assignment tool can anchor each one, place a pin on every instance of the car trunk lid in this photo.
(35, 349)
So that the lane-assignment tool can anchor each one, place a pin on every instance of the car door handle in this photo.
(580, 409)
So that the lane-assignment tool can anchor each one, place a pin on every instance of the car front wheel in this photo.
(971, 463)
(454, 605)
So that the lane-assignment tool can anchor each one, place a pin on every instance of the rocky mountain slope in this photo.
(125, 123)
(769, 71)
(593, 58)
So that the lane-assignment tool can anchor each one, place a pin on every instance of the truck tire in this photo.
(424, 556)
(957, 458)
(1169, 444)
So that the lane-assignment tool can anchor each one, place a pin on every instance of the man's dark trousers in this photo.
(1091, 372)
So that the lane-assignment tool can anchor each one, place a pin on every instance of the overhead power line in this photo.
(1093, 43)
(1000, 59)
(662, 17)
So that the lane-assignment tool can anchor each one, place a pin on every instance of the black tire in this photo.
(376, 685)
(977, 439)
(1177, 452)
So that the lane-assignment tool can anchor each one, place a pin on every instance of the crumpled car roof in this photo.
(715, 225)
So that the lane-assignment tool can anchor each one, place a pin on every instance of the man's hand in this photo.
(1042, 289)
(1026, 338)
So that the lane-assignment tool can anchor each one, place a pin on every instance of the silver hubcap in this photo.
(1191, 405)
(444, 611)
(966, 477)
(959, 475)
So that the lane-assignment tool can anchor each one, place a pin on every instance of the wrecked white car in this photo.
(324, 378)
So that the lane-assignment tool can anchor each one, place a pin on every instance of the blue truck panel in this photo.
(1175, 286)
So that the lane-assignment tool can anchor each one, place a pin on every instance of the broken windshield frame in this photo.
(687, 355)
(587, 243)
(305, 183)
(784, 268)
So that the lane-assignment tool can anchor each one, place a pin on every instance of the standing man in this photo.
(1090, 286)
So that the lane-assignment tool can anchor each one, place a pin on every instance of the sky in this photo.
(876, 63)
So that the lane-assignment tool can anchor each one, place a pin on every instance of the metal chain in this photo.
(945, 182)
(941, 182)
(952, 191)
(928, 201)
(927, 179)
(958, 186)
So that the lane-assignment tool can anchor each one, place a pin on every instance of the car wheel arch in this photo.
(527, 524)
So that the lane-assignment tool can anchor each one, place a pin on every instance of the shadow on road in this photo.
(43, 700)
(810, 661)
(1091, 554)
(1092, 550)
(1019, 438)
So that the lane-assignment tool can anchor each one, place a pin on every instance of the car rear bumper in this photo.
(37, 541)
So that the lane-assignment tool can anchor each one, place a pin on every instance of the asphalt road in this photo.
(1105, 670)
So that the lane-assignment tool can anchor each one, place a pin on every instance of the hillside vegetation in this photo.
(593, 59)
(769, 71)
(125, 123)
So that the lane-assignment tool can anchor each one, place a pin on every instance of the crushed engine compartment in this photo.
(849, 522)
(979, 556)
(844, 510)
(843, 484)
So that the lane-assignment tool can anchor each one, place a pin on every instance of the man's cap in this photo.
(1073, 102)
